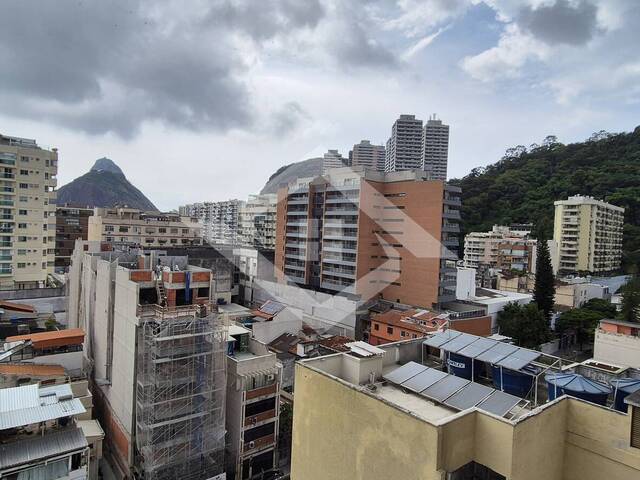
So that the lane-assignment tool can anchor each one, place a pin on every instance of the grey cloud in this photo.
(562, 22)
(271, 18)
(287, 119)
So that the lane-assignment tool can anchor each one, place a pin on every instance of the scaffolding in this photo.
(180, 394)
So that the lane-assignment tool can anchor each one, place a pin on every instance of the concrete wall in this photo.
(617, 348)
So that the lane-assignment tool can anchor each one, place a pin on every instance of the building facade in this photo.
(367, 155)
(253, 406)
(500, 248)
(360, 232)
(72, 223)
(436, 148)
(333, 159)
(350, 422)
(220, 221)
(27, 205)
(588, 235)
(257, 222)
(405, 146)
(129, 226)
(157, 350)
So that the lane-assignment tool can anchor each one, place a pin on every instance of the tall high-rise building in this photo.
(404, 147)
(366, 155)
(501, 248)
(372, 234)
(333, 159)
(72, 223)
(27, 212)
(220, 220)
(587, 235)
(436, 148)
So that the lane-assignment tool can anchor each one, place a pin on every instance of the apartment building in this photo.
(27, 212)
(333, 159)
(617, 342)
(72, 223)
(391, 412)
(373, 234)
(436, 148)
(500, 248)
(367, 155)
(588, 235)
(157, 350)
(130, 226)
(220, 221)
(405, 147)
(253, 406)
(257, 222)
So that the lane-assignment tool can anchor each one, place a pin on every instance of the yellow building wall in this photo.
(340, 433)
(584, 243)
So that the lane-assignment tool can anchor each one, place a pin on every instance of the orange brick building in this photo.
(377, 235)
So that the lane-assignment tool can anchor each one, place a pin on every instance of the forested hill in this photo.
(523, 185)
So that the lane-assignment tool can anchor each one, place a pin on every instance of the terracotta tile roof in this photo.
(17, 307)
(410, 319)
(54, 338)
(336, 343)
(33, 369)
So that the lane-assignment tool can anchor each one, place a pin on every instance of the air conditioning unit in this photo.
(252, 444)
(271, 377)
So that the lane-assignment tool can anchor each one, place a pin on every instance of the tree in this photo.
(582, 321)
(544, 289)
(631, 300)
(602, 306)
(526, 324)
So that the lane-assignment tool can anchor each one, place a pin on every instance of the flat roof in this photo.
(415, 404)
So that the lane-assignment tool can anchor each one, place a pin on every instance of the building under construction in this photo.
(157, 351)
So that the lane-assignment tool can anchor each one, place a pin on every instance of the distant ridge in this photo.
(306, 168)
(105, 185)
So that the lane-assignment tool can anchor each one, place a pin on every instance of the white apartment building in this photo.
(367, 155)
(27, 212)
(220, 221)
(257, 221)
(405, 146)
(333, 159)
(587, 234)
(436, 148)
(129, 226)
(500, 248)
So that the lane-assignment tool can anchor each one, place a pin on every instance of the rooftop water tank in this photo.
(622, 388)
(577, 386)
(518, 383)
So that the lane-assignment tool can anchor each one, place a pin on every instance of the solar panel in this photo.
(441, 338)
(499, 403)
(424, 380)
(469, 396)
(446, 387)
(476, 348)
(497, 352)
(519, 359)
(404, 373)
(459, 343)
(271, 307)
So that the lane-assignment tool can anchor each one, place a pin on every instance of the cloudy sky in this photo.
(203, 100)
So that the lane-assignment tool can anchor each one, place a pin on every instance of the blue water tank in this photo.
(621, 388)
(577, 386)
(514, 382)
(460, 366)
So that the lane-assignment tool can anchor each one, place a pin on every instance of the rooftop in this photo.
(31, 369)
(55, 338)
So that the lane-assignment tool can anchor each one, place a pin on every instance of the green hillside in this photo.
(523, 185)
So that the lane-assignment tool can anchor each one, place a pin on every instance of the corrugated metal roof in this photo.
(364, 349)
(40, 413)
(17, 398)
(71, 336)
(41, 447)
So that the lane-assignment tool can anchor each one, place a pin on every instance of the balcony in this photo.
(340, 225)
(297, 212)
(261, 392)
(339, 272)
(451, 214)
(341, 212)
(8, 175)
(336, 286)
(297, 224)
(259, 443)
(260, 417)
(339, 261)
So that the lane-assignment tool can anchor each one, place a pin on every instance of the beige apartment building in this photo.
(372, 234)
(587, 234)
(130, 226)
(257, 221)
(501, 248)
(365, 414)
(27, 212)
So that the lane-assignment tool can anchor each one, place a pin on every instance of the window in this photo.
(22, 239)
(376, 326)
(109, 239)
(22, 251)
(635, 427)
(24, 172)
(162, 230)
(22, 225)
(403, 333)
(173, 240)
(24, 185)
(23, 212)
(23, 198)
(123, 229)
(22, 265)
(24, 159)
(108, 228)
(174, 230)
(390, 330)
(185, 231)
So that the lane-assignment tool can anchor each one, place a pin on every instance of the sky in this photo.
(204, 100)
